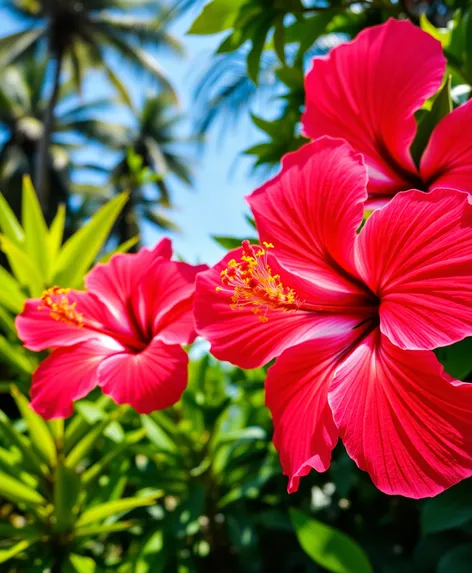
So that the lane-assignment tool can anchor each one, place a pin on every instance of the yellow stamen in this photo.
(60, 309)
(253, 283)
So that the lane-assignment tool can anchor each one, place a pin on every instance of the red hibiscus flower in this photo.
(123, 334)
(367, 91)
(353, 317)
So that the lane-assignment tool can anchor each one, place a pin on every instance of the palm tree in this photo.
(151, 155)
(80, 33)
(22, 105)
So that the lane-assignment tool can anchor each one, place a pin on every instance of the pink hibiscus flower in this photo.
(353, 318)
(123, 334)
(367, 91)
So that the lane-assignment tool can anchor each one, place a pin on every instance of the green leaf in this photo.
(95, 530)
(157, 435)
(153, 555)
(80, 564)
(86, 444)
(35, 228)
(457, 358)
(123, 248)
(448, 510)
(99, 467)
(442, 105)
(40, 436)
(216, 16)
(6, 554)
(443, 35)
(80, 251)
(233, 242)
(23, 266)
(458, 560)
(18, 492)
(11, 295)
(9, 224)
(14, 354)
(104, 510)
(258, 43)
(328, 547)
(279, 39)
(56, 233)
(67, 487)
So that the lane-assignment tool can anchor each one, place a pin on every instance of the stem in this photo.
(42, 160)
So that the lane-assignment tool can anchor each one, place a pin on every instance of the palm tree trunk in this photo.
(127, 225)
(42, 159)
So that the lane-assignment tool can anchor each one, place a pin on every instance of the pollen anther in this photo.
(55, 299)
(253, 283)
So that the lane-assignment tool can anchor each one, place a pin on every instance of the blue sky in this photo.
(215, 204)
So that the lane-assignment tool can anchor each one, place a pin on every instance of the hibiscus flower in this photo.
(124, 334)
(352, 318)
(367, 91)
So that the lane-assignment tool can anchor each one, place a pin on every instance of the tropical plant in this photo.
(81, 34)
(151, 156)
(76, 122)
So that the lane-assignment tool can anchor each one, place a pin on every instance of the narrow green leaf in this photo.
(95, 530)
(80, 251)
(30, 457)
(99, 467)
(110, 508)
(15, 356)
(157, 435)
(216, 16)
(123, 248)
(328, 547)
(7, 322)
(80, 564)
(258, 42)
(6, 554)
(233, 242)
(443, 35)
(55, 235)
(67, 487)
(9, 224)
(18, 492)
(442, 105)
(279, 39)
(24, 267)
(11, 295)
(86, 444)
(40, 436)
(35, 228)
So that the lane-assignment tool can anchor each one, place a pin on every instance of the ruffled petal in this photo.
(151, 380)
(39, 331)
(67, 375)
(116, 281)
(402, 420)
(311, 210)
(415, 254)
(447, 160)
(297, 395)
(366, 91)
(237, 335)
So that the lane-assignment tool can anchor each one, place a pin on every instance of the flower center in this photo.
(253, 283)
(60, 309)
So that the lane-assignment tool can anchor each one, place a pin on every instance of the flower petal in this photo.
(446, 165)
(402, 420)
(114, 282)
(311, 211)
(366, 91)
(237, 335)
(163, 301)
(68, 374)
(297, 395)
(415, 254)
(151, 380)
(38, 330)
